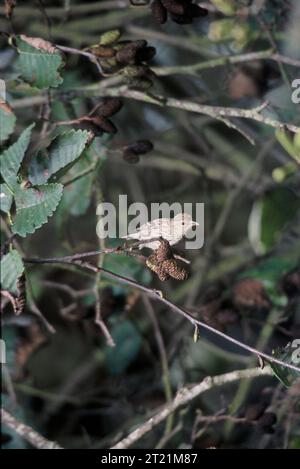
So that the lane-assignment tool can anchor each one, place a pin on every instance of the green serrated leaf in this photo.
(7, 122)
(77, 196)
(34, 207)
(12, 158)
(62, 151)
(11, 269)
(291, 355)
(39, 62)
(5, 198)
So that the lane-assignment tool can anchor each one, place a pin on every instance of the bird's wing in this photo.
(150, 230)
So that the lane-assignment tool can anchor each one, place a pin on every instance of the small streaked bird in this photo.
(171, 229)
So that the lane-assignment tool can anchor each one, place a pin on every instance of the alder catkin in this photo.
(21, 295)
(104, 124)
(109, 107)
(159, 12)
(172, 268)
(110, 37)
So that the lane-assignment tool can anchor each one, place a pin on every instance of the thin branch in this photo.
(185, 396)
(89, 55)
(223, 61)
(217, 112)
(163, 358)
(76, 10)
(26, 432)
(158, 296)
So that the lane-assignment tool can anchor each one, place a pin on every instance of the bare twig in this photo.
(163, 359)
(216, 112)
(158, 296)
(222, 61)
(224, 114)
(26, 432)
(185, 396)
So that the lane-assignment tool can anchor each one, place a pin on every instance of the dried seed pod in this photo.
(254, 412)
(145, 54)
(109, 107)
(196, 11)
(250, 293)
(130, 157)
(174, 6)
(94, 130)
(140, 147)
(127, 53)
(172, 268)
(104, 124)
(21, 296)
(163, 252)
(110, 37)
(267, 421)
(159, 12)
(103, 52)
(153, 265)
(182, 19)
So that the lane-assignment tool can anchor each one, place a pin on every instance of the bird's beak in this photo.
(195, 223)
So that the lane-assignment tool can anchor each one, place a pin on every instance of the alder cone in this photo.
(104, 124)
(145, 54)
(250, 293)
(159, 12)
(153, 265)
(174, 7)
(103, 52)
(164, 265)
(130, 156)
(196, 11)
(109, 107)
(163, 252)
(21, 297)
(141, 147)
(254, 412)
(128, 52)
(91, 128)
(172, 268)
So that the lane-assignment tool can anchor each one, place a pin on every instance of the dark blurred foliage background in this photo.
(70, 385)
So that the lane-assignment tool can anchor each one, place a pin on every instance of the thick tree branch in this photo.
(186, 395)
(26, 432)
